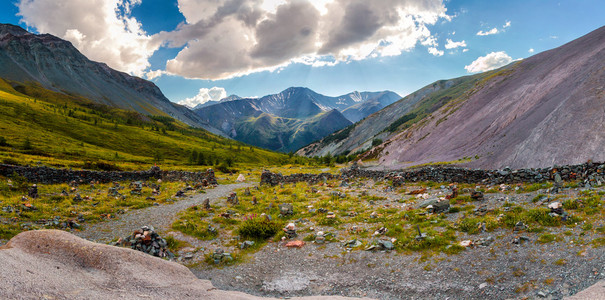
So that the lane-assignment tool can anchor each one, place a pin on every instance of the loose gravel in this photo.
(160, 217)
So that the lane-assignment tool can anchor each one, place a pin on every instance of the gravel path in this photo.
(160, 217)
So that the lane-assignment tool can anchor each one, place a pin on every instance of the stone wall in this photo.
(52, 176)
(587, 171)
(272, 179)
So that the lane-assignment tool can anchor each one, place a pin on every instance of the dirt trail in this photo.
(160, 217)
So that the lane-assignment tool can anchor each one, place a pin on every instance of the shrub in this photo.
(3, 141)
(27, 145)
(548, 238)
(196, 229)
(258, 228)
(540, 216)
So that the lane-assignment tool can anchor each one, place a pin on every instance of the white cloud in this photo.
(494, 30)
(531, 50)
(154, 74)
(489, 62)
(225, 39)
(465, 50)
(205, 95)
(435, 51)
(451, 44)
(489, 32)
(103, 30)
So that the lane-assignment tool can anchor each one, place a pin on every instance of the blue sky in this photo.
(198, 50)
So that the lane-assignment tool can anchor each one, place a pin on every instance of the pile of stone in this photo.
(290, 231)
(33, 191)
(220, 255)
(232, 199)
(136, 188)
(286, 209)
(146, 240)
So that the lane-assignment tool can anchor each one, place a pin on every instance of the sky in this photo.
(201, 50)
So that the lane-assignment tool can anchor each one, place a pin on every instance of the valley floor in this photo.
(535, 268)
(546, 258)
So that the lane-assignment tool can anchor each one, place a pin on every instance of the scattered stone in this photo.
(295, 244)
(484, 242)
(520, 226)
(180, 193)
(439, 207)
(520, 239)
(466, 243)
(477, 195)
(254, 201)
(246, 244)
(427, 203)
(241, 178)
(352, 243)
(247, 192)
(286, 209)
(480, 211)
(212, 230)
(136, 188)
(416, 192)
(77, 198)
(454, 193)
(381, 231)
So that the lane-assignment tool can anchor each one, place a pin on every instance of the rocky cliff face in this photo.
(56, 65)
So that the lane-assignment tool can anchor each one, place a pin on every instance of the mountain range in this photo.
(56, 65)
(292, 118)
(544, 110)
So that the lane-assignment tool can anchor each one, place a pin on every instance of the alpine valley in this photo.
(291, 119)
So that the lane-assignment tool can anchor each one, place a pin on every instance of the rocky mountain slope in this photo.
(544, 110)
(386, 122)
(56, 65)
(290, 119)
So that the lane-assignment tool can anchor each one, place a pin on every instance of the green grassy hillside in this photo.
(41, 126)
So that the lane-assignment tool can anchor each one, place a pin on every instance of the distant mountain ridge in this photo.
(294, 110)
(541, 111)
(57, 65)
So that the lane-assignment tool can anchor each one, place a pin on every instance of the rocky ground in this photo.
(501, 269)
